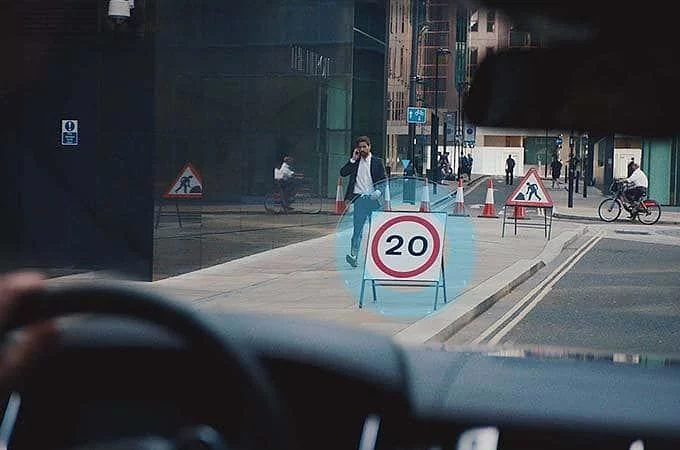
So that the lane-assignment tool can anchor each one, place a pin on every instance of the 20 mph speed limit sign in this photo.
(405, 246)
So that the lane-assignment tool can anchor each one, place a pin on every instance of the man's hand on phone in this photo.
(356, 154)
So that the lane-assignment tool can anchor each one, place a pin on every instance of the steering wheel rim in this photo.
(198, 332)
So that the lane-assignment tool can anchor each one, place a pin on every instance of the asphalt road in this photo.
(622, 295)
(478, 196)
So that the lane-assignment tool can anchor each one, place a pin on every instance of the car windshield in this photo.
(315, 159)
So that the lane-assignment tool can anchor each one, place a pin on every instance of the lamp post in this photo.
(460, 125)
(571, 173)
(418, 30)
(434, 127)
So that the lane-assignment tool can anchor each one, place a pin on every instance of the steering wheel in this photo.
(267, 428)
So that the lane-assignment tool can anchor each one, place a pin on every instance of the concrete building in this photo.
(398, 72)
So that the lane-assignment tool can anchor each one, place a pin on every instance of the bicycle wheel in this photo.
(609, 210)
(272, 203)
(651, 212)
(308, 203)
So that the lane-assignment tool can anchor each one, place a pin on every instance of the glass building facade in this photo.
(230, 87)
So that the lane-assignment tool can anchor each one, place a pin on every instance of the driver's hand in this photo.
(17, 352)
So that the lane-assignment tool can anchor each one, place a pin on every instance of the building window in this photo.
(491, 21)
(474, 21)
(394, 62)
(403, 17)
(474, 56)
(401, 62)
(402, 105)
(473, 61)
(392, 7)
(436, 39)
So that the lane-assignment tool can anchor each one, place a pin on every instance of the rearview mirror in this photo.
(633, 90)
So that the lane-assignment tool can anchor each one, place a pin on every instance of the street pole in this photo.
(434, 126)
(462, 26)
(545, 145)
(586, 166)
(570, 200)
(415, 27)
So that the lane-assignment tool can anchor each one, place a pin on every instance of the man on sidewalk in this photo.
(509, 170)
(364, 171)
(556, 168)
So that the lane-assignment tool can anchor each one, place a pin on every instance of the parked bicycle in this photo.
(302, 200)
(646, 210)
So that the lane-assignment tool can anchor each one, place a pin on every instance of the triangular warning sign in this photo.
(530, 192)
(188, 184)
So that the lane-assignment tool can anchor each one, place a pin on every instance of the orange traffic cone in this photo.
(489, 205)
(518, 213)
(459, 206)
(388, 198)
(339, 202)
(425, 198)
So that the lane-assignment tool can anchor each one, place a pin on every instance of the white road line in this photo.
(536, 294)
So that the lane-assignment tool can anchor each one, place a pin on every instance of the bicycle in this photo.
(646, 210)
(303, 201)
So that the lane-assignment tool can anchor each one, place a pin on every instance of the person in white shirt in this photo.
(287, 181)
(364, 171)
(637, 184)
(636, 188)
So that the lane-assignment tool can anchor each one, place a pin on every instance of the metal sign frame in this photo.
(547, 224)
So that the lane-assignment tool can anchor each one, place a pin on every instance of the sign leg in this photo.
(550, 226)
(158, 213)
(515, 221)
(179, 219)
(436, 296)
(444, 283)
(505, 215)
(545, 224)
(375, 297)
(361, 295)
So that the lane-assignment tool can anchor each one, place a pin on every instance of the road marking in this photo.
(529, 302)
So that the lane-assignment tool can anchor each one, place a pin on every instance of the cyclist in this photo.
(288, 182)
(636, 186)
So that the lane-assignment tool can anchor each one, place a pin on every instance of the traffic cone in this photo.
(339, 202)
(489, 205)
(388, 198)
(459, 206)
(425, 198)
(518, 213)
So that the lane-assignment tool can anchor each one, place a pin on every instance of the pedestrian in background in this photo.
(509, 170)
(468, 166)
(556, 168)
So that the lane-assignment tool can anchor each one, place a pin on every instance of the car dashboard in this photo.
(108, 379)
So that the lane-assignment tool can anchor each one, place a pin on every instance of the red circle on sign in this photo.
(418, 270)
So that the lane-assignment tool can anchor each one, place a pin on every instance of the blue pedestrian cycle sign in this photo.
(416, 115)
(69, 132)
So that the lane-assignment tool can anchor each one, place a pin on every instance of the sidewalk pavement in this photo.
(310, 279)
(586, 208)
